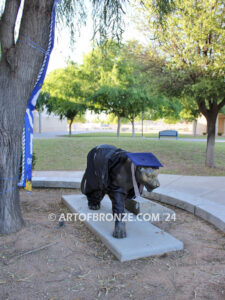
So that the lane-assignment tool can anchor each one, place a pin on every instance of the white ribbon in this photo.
(136, 189)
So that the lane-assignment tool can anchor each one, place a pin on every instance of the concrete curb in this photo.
(56, 182)
(209, 211)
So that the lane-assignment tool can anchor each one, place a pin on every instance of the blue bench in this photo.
(170, 133)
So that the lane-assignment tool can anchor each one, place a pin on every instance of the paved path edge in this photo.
(211, 212)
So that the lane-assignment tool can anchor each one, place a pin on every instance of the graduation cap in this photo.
(145, 159)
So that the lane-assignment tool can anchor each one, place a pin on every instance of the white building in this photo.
(48, 123)
(51, 123)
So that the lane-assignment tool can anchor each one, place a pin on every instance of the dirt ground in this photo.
(69, 262)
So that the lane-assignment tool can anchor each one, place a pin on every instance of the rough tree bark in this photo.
(118, 126)
(19, 67)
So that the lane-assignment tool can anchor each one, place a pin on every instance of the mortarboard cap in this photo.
(145, 159)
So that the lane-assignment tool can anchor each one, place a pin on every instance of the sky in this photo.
(62, 51)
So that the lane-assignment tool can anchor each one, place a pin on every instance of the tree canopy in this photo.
(190, 39)
(66, 93)
(118, 85)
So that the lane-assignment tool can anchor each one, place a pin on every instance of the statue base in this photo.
(143, 239)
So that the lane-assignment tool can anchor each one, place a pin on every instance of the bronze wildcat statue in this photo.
(109, 172)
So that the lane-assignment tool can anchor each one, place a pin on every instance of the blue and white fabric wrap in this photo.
(27, 143)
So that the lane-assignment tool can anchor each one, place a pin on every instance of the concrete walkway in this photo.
(186, 139)
(200, 195)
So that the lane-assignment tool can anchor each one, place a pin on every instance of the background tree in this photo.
(122, 102)
(191, 40)
(66, 90)
(101, 81)
(132, 80)
(137, 100)
(118, 84)
(110, 100)
(154, 79)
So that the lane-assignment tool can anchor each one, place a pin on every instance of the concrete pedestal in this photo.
(143, 239)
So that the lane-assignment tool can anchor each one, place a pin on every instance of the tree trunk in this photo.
(118, 126)
(142, 124)
(19, 68)
(211, 130)
(70, 128)
(10, 213)
(210, 114)
(71, 118)
(133, 128)
(195, 123)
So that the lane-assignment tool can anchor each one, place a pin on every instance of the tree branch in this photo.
(7, 25)
(202, 107)
(221, 104)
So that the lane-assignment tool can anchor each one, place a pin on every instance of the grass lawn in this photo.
(178, 157)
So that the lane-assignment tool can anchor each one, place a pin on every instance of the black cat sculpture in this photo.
(109, 172)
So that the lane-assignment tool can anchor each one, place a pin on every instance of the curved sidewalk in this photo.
(200, 195)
